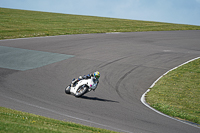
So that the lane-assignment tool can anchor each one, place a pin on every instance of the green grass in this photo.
(20, 24)
(178, 93)
(15, 121)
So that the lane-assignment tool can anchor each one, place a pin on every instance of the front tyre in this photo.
(67, 90)
(81, 91)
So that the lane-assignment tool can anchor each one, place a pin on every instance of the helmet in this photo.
(96, 75)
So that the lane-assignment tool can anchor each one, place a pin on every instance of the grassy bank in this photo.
(178, 93)
(15, 121)
(21, 24)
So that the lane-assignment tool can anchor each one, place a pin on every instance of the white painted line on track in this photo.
(30, 38)
(76, 118)
(39, 37)
(146, 104)
(113, 32)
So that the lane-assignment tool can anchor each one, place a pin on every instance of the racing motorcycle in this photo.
(82, 87)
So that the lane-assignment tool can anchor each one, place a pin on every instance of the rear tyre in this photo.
(67, 90)
(81, 91)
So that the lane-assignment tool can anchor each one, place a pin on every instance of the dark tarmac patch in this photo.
(24, 59)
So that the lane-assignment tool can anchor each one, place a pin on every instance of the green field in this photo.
(176, 94)
(21, 24)
(15, 121)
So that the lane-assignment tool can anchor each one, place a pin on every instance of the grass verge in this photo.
(177, 94)
(20, 24)
(15, 121)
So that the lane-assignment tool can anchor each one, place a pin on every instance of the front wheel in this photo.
(67, 90)
(81, 91)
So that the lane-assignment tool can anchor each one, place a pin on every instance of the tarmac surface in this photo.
(35, 71)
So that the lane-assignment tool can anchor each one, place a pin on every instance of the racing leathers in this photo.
(89, 76)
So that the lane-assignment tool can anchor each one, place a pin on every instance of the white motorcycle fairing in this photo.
(81, 87)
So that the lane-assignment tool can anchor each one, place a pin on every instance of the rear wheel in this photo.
(67, 90)
(81, 91)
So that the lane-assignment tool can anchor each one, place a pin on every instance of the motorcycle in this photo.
(82, 87)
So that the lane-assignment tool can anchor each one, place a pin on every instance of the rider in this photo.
(96, 75)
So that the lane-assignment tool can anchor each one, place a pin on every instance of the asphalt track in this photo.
(128, 62)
